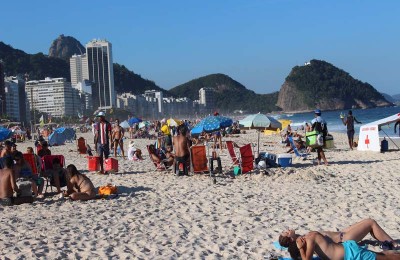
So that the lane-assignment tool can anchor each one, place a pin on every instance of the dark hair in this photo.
(294, 251)
(284, 240)
(18, 154)
(8, 162)
(350, 112)
(182, 129)
(56, 160)
(8, 143)
(72, 171)
(45, 144)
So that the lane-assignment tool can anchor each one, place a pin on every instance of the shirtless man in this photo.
(117, 135)
(7, 149)
(181, 146)
(79, 186)
(7, 183)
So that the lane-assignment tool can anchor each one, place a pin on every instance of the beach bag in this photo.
(25, 187)
(108, 189)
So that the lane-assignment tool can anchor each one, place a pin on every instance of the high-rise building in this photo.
(53, 96)
(79, 69)
(101, 73)
(2, 91)
(16, 100)
(206, 97)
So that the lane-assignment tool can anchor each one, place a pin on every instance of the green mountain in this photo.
(230, 95)
(319, 84)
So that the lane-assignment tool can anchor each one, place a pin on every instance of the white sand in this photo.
(161, 216)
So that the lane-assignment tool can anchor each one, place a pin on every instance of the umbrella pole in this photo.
(258, 146)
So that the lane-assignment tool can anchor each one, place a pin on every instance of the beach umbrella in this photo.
(68, 132)
(174, 122)
(57, 138)
(134, 120)
(213, 123)
(260, 122)
(4, 133)
(124, 124)
(144, 124)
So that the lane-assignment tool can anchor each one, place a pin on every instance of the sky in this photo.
(255, 42)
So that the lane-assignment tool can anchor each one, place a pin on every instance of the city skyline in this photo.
(256, 43)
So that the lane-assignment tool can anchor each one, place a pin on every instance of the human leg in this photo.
(115, 144)
(359, 230)
(56, 179)
(82, 196)
(100, 153)
(121, 145)
(388, 255)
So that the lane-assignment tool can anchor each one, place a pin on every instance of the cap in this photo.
(317, 111)
(101, 113)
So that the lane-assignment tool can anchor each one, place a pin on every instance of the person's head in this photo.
(117, 121)
(29, 150)
(72, 171)
(168, 148)
(18, 158)
(102, 116)
(286, 237)
(45, 145)
(13, 147)
(350, 112)
(56, 162)
(152, 148)
(8, 162)
(8, 145)
(182, 130)
(317, 112)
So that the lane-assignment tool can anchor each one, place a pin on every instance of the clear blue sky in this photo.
(254, 42)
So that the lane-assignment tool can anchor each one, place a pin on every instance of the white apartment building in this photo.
(54, 96)
(158, 96)
(206, 97)
(78, 65)
(12, 100)
(101, 73)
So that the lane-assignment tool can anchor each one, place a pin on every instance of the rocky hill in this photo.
(322, 85)
(230, 95)
(65, 46)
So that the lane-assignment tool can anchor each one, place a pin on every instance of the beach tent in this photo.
(368, 139)
(4, 133)
(61, 135)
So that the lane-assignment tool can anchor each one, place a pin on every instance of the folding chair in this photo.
(199, 159)
(295, 150)
(246, 158)
(47, 164)
(31, 160)
(231, 150)
(160, 166)
(81, 144)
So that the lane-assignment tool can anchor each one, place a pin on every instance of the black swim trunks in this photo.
(183, 158)
(350, 134)
(6, 201)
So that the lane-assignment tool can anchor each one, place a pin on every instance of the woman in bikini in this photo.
(314, 242)
(355, 232)
(79, 186)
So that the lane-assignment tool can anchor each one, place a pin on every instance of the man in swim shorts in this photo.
(8, 184)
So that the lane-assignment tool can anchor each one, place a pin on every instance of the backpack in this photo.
(322, 128)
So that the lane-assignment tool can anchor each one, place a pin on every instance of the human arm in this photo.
(355, 120)
(14, 183)
(306, 245)
(395, 126)
(344, 121)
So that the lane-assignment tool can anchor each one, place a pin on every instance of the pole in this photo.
(34, 114)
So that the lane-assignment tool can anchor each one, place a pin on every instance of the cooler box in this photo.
(111, 164)
(284, 159)
(93, 163)
(329, 142)
(311, 139)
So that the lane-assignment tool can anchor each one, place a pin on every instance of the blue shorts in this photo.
(352, 251)
(103, 149)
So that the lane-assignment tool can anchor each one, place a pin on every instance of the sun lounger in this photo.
(295, 150)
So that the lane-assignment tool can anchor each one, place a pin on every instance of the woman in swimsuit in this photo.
(79, 186)
(305, 246)
(355, 232)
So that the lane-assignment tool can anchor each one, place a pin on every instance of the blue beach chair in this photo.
(295, 150)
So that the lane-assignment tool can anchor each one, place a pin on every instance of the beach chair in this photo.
(246, 158)
(199, 159)
(160, 166)
(81, 144)
(31, 160)
(295, 150)
(38, 148)
(231, 150)
(47, 164)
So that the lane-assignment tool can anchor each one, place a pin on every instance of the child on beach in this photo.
(79, 186)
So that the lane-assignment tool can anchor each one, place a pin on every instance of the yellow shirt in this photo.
(165, 130)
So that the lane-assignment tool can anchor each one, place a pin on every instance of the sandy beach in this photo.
(158, 215)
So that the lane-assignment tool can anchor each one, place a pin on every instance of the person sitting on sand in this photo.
(169, 156)
(7, 183)
(57, 175)
(29, 150)
(134, 154)
(304, 247)
(45, 150)
(157, 157)
(79, 186)
(355, 232)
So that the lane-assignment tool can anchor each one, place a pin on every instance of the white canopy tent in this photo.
(369, 133)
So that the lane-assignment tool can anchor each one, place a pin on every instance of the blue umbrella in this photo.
(57, 138)
(67, 131)
(213, 123)
(4, 133)
(134, 120)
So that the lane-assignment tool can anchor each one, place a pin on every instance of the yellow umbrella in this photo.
(165, 130)
(174, 122)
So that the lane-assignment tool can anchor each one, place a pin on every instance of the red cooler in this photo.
(111, 164)
(93, 163)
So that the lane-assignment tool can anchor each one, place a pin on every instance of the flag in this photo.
(41, 121)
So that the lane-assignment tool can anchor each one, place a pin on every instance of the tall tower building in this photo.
(2, 91)
(79, 69)
(101, 73)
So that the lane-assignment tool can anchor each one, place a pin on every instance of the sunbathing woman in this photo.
(79, 186)
(304, 247)
(355, 232)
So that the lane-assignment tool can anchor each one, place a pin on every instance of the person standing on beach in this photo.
(117, 136)
(395, 125)
(319, 124)
(349, 122)
(102, 139)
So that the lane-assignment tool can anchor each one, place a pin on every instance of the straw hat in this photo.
(131, 144)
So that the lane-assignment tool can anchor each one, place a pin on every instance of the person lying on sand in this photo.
(355, 232)
(79, 186)
(305, 246)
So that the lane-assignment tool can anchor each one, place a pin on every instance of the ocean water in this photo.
(335, 123)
